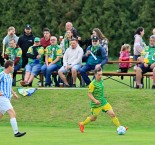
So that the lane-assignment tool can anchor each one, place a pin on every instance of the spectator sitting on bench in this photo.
(148, 63)
(53, 55)
(72, 61)
(124, 56)
(95, 56)
(35, 56)
(14, 54)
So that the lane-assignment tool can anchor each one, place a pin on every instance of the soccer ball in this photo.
(121, 130)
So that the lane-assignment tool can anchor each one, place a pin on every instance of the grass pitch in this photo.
(72, 136)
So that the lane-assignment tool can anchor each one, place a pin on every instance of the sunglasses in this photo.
(94, 40)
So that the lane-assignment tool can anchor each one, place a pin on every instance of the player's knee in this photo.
(93, 118)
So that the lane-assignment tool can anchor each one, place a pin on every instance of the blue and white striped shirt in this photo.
(6, 84)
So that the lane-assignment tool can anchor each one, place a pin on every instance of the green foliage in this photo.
(117, 19)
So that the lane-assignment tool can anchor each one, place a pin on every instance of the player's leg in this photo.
(114, 118)
(1, 115)
(108, 109)
(95, 112)
(13, 122)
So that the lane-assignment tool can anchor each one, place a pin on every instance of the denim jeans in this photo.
(47, 71)
(83, 71)
(16, 68)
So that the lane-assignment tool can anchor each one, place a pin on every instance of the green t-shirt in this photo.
(97, 90)
(13, 53)
(52, 52)
(40, 51)
(149, 54)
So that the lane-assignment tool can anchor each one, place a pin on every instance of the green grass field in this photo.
(72, 136)
(50, 117)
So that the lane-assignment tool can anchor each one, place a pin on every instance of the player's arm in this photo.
(1, 94)
(90, 95)
(14, 94)
(3, 50)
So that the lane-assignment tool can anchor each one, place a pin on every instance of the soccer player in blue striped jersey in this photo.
(5, 96)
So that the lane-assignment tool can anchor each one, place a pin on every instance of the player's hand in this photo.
(97, 66)
(97, 102)
(15, 95)
(2, 55)
(38, 56)
(1, 94)
(152, 65)
(88, 52)
(145, 65)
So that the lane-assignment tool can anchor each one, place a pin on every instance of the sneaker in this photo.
(74, 85)
(126, 128)
(81, 127)
(153, 86)
(20, 134)
(48, 85)
(66, 86)
(119, 71)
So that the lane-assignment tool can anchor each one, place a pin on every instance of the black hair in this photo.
(139, 30)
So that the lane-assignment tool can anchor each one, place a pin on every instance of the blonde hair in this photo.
(11, 28)
(125, 47)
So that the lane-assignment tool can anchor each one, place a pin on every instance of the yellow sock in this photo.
(86, 121)
(116, 121)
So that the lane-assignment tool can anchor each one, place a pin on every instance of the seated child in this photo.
(124, 56)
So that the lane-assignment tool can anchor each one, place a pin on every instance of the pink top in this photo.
(124, 56)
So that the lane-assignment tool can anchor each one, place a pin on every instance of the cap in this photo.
(28, 26)
(95, 38)
(36, 39)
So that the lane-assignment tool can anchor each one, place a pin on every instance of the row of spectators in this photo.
(48, 54)
(66, 54)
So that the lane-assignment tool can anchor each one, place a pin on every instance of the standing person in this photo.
(69, 27)
(45, 41)
(24, 42)
(35, 57)
(87, 42)
(95, 57)
(98, 102)
(139, 46)
(102, 39)
(53, 55)
(14, 53)
(5, 97)
(11, 35)
(72, 61)
(139, 43)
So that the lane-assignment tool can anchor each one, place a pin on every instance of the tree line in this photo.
(117, 19)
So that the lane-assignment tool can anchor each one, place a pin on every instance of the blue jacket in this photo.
(100, 54)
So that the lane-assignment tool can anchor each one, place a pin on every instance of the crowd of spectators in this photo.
(48, 54)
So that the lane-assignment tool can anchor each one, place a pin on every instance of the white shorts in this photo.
(5, 105)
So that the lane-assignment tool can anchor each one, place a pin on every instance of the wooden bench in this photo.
(108, 75)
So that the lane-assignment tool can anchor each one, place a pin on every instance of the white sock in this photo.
(14, 125)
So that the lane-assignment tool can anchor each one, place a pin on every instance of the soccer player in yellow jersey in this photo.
(98, 102)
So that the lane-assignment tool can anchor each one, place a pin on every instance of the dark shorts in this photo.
(145, 69)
